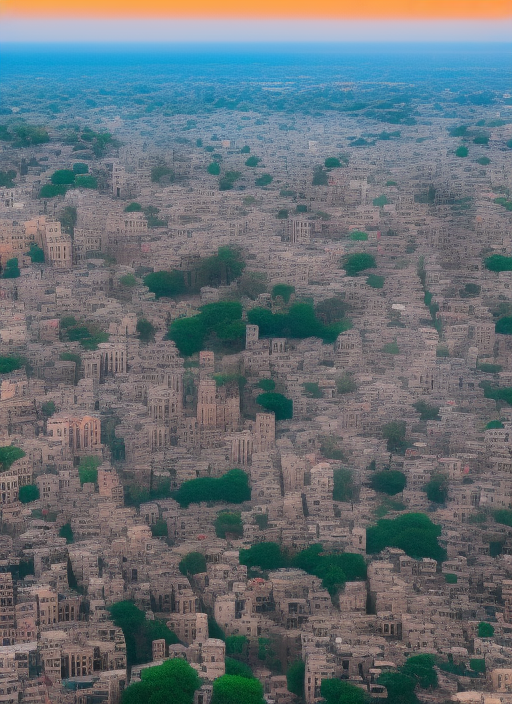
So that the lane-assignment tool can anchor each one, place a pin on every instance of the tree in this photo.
(462, 151)
(346, 384)
(320, 177)
(67, 532)
(28, 493)
(146, 330)
(276, 403)
(27, 135)
(313, 389)
(80, 168)
(11, 270)
(159, 529)
(86, 181)
(485, 630)
(36, 254)
(400, 687)
(375, 281)
(267, 384)
(251, 284)
(285, 291)
(266, 556)
(252, 161)
(188, 335)
(421, 669)
(354, 264)
(214, 168)
(380, 201)
(233, 689)
(158, 173)
(295, 678)
(133, 208)
(63, 177)
(426, 411)
(231, 487)
(504, 326)
(229, 523)
(68, 218)
(245, 150)
(48, 408)
(264, 180)
(88, 470)
(344, 488)
(282, 214)
(7, 178)
(358, 236)
(336, 691)
(437, 488)
(173, 682)
(394, 433)
(332, 163)
(8, 455)
(128, 280)
(414, 533)
(10, 364)
(166, 284)
(222, 268)
(235, 667)
(193, 563)
(49, 190)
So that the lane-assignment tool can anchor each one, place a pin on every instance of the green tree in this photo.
(86, 181)
(133, 208)
(28, 493)
(295, 678)
(9, 364)
(312, 389)
(232, 689)
(400, 687)
(159, 529)
(8, 455)
(320, 177)
(160, 172)
(485, 630)
(36, 254)
(412, 532)
(222, 268)
(128, 280)
(276, 403)
(80, 168)
(421, 669)
(188, 334)
(11, 270)
(266, 556)
(331, 310)
(336, 691)
(354, 264)
(375, 281)
(166, 284)
(28, 135)
(426, 411)
(68, 218)
(88, 469)
(235, 667)
(344, 488)
(332, 163)
(252, 284)
(394, 433)
(173, 682)
(357, 236)
(193, 563)
(49, 190)
(63, 177)
(380, 201)
(245, 150)
(67, 532)
(437, 488)
(388, 482)
(483, 161)
(285, 291)
(252, 161)
(264, 180)
(213, 168)
(282, 214)
(231, 487)
(462, 151)
(236, 645)
(230, 523)
(7, 178)
(146, 330)
(267, 384)
(504, 326)
(48, 409)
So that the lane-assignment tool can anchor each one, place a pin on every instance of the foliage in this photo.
(88, 469)
(159, 529)
(437, 488)
(11, 269)
(421, 669)
(391, 348)
(245, 150)
(252, 161)
(227, 182)
(332, 163)
(236, 645)
(139, 632)
(63, 177)
(222, 268)
(80, 168)
(214, 630)
(394, 433)
(158, 173)
(235, 667)
(10, 364)
(28, 493)
(504, 326)
(412, 532)
(86, 181)
(48, 408)
(8, 455)
(450, 578)
(330, 447)
(229, 523)
(233, 689)
(276, 403)
(477, 664)
(282, 214)
(489, 368)
(7, 178)
(462, 151)
(72, 357)
(222, 319)
(28, 135)
(146, 330)
(36, 254)
(380, 201)
(261, 520)
(344, 488)
(357, 236)
(503, 516)
(426, 411)
(128, 280)
(388, 505)
(400, 687)
(165, 284)
(264, 180)
(188, 334)
(312, 389)
(133, 208)
(375, 281)
(320, 177)
(442, 351)
(295, 678)
(173, 682)
(67, 532)
(266, 556)
(503, 393)
(300, 322)
(87, 334)
(354, 264)
(483, 160)
(494, 424)
(213, 168)
(285, 291)
(68, 218)
(334, 569)
(251, 284)
(193, 563)
(389, 482)
(232, 487)
(331, 310)
(267, 384)
(336, 691)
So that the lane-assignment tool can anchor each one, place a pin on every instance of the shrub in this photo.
(282, 214)
(295, 678)
(213, 168)
(133, 208)
(67, 532)
(36, 254)
(232, 689)
(63, 177)
(498, 262)
(391, 348)
(161, 171)
(8, 455)
(412, 532)
(28, 493)
(483, 160)
(344, 488)
(10, 364)
(229, 523)
(394, 432)
(354, 264)
(437, 488)
(266, 556)
(312, 389)
(332, 163)
(462, 151)
(285, 291)
(264, 180)
(504, 326)
(11, 269)
(128, 280)
(159, 529)
(450, 578)
(48, 408)
(88, 470)
(193, 563)
(359, 236)
(388, 482)
(165, 284)
(380, 201)
(276, 403)
(375, 281)
(426, 411)
(485, 630)
(252, 161)
(503, 516)
(235, 667)
(146, 330)
(267, 384)
(86, 181)
(231, 487)
(80, 168)
(320, 177)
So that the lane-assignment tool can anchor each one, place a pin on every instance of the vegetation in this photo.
(146, 330)
(503, 516)
(462, 151)
(28, 493)
(214, 168)
(332, 162)
(139, 633)
(252, 161)
(86, 181)
(450, 578)
(312, 389)
(485, 630)
(489, 368)
(320, 177)
(7, 178)
(331, 310)
(165, 284)
(227, 182)
(380, 201)
(133, 208)
(389, 482)
(391, 348)
(88, 470)
(68, 218)
(128, 280)
(282, 214)
(344, 488)
(8, 455)
(412, 532)
(267, 384)
(336, 691)
(264, 180)
(235, 667)
(87, 334)
(67, 532)
(233, 689)
(162, 173)
(220, 321)
(36, 254)
(394, 433)
(276, 403)
(159, 529)
(334, 569)
(10, 364)
(266, 556)
(358, 236)
(330, 447)
(504, 326)
(11, 269)
(193, 563)
(354, 264)
(375, 281)
(299, 322)
(232, 487)
(426, 411)
(483, 161)
(48, 408)
(175, 681)
(295, 678)
(437, 488)
(229, 523)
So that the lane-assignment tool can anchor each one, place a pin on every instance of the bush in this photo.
(266, 556)
(483, 160)
(8, 455)
(412, 532)
(146, 330)
(232, 689)
(334, 569)
(63, 177)
(354, 264)
(497, 262)
(188, 334)
(332, 163)
(388, 482)
(437, 488)
(174, 681)
(264, 180)
(285, 291)
(331, 310)
(133, 208)
(394, 432)
(28, 493)
(276, 403)
(267, 384)
(282, 214)
(391, 348)
(231, 487)
(10, 364)
(359, 236)
(380, 201)
(375, 281)
(503, 516)
(485, 630)
(337, 691)
(330, 448)
(489, 368)
(161, 171)
(235, 667)
(450, 578)
(166, 284)
(67, 532)
(236, 645)
(193, 563)
(11, 269)
(504, 326)
(427, 412)
(48, 409)
(36, 254)
(159, 529)
(295, 678)
(86, 182)
(229, 523)
(312, 389)
(88, 470)
(462, 151)
(80, 168)
(477, 664)
(320, 177)
(344, 488)
(245, 150)
(252, 161)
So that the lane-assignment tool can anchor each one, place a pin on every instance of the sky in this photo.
(255, 20)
